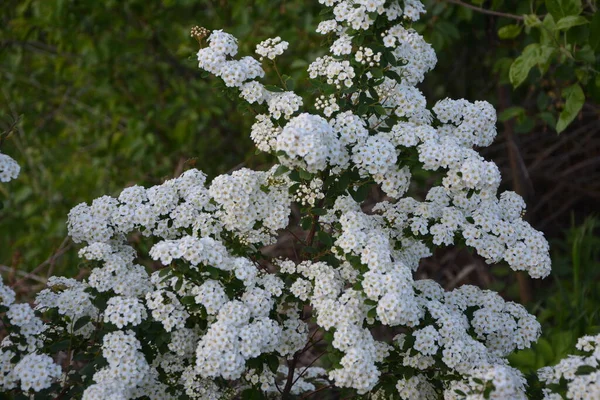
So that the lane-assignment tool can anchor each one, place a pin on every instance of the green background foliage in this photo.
(102, 95)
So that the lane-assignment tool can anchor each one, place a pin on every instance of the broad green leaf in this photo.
(525, 125)
(305, 174)
(81, 322)
(548, 31)
(574, 102)
(377, 73)
(595, 32)
(534, 54)
(548, 118)
(511, 112)
(273, 363)
(586, 54)
(509, 31)
(563, 8)
(282, 169)
(570, 21)
(531, 20)
(544, 350)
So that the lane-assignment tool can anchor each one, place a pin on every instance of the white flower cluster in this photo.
(338, 73)
(283, 104)
(309, 142)
(309, 193)
(127, 375)
(496, 382)
(499, 328)
(242, 73)
(271, 48)
(579, 375)
(233, 72)
(415, 53)
(367, 56)
(264, 133)
(233, 339)
(122, 311)
(247, 198)
(36, 372)
(70, 298)
(9, 169)
(31, 371)
(329, 104)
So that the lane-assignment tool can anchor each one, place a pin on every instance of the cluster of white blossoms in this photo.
(214, 59)
(22, 365)
(9, 168)
(220, 315)
(271, 48)
(329, 104)
(310, 192)
(367, 56)
(576, 376)
(338, 73)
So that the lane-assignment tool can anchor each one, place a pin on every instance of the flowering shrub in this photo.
(222, 319)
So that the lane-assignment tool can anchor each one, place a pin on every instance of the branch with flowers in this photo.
(222, 320)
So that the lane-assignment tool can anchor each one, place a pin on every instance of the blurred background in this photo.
(97, 96)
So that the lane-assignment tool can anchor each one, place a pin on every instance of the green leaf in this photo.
(548, 32)
(377, 73)
(562, 8)
(273, 88)
(570, 21)
(273, 363)
(252, 394)
(574, 102)
(361, 193)
(324, 238)
(534, 54)
(393, 75)
(595, 32)
(188, 300)
(282, 169)
(362, 109)
(585, 370)
(548, 118)
(81, 322)
(525, 125)
(379, 110)
(510, 113)
(318, 211)
(509, 31)
(305, 174)
(62, 345)
(531, 20)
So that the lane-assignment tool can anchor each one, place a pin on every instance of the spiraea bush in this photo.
(221, 319)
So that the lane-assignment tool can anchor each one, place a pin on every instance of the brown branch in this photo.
(486, 11)
(301, 374)
(62, 249)
(306, 396)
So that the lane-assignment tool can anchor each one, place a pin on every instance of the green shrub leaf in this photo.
(563, 8)
(570, 21)
(595, 32)
(534, 54)
(509, 31)
(574, 102)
